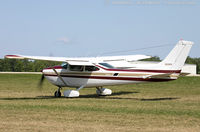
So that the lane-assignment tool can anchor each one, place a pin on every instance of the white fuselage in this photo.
(103, 76)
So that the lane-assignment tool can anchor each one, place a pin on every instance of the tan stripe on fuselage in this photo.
(132, 74)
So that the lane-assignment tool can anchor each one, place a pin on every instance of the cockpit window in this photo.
(76, 68)
(91, 68)
(106, 65)
(64, 65)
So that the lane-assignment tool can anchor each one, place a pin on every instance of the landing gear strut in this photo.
(57, 93)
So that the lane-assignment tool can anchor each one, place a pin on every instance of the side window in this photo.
(76, 68)
(91, 68)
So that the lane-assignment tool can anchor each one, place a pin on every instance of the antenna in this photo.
(139, 49)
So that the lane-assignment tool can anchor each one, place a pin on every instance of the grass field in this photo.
(160, 107)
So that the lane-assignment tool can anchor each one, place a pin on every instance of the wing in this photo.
(122, 58)
(72, 61)
(59, 59)
(81, 59)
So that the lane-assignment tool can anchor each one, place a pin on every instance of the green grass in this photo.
(166, 106)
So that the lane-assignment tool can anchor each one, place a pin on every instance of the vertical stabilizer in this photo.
(177, 57)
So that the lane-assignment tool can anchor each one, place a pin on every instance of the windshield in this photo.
(107, 65)
(64, 65)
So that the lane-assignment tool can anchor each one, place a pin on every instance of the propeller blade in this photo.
(41, 81)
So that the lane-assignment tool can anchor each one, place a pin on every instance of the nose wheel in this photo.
(57, 93)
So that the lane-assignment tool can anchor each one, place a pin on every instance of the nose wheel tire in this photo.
(57, 94)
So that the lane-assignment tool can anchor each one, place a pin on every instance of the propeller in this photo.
(41, 81)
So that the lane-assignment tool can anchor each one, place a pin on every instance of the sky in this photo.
(74, 28)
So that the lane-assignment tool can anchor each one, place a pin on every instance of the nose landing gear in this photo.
(57, 93)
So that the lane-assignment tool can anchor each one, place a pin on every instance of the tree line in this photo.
(13, 65)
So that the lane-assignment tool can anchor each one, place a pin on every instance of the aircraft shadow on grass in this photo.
(96, 97)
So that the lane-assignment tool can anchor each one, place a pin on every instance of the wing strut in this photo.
(59, 76)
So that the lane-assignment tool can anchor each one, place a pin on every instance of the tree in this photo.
(24, 65)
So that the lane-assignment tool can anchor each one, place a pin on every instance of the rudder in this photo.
(177, 57)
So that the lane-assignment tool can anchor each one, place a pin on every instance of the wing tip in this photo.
(13, 57)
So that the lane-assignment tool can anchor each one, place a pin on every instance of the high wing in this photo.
(121, 58)
(71, 61)
(82, 60)
(59, 59)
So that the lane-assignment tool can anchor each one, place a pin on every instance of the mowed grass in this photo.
(166, 106)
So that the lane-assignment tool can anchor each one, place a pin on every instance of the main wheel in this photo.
(57, 94)
(103, 91)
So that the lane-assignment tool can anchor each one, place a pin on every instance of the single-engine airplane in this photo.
(97, 72)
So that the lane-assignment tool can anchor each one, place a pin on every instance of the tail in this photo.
(177, 57)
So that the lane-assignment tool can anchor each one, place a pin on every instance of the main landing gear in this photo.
(75, 93)
(103, 91)
(69, 93)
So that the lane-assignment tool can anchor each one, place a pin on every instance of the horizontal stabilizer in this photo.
(184, 74)
(158, 75)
